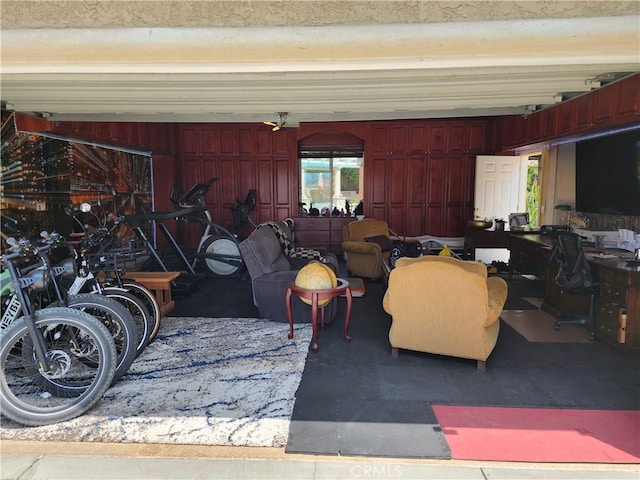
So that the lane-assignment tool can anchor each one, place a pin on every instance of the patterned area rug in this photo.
(203, 381)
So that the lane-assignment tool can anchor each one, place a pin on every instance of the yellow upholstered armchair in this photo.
(365, 243)
(445, 306)
(364, 258)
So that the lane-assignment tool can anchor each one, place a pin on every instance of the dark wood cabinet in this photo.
(617, 103)
(416, 193)
(618, 305)
(629, 100)
(418, 140)
(427, 187)
(458, 138)
(285, 186)
(375, 173)
(198, 140)
(478, 142)
(456, 193)
(548, 123)
(514, 131)
(378, 144)
(437, 139)
(605, 105)
(435, 200)
(532, 126)
(566, 119)
(397, 191)
(323, 232)
(583, 111)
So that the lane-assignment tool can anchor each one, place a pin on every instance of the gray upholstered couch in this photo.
(271, 272)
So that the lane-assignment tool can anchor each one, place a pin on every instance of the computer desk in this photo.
(617, 315)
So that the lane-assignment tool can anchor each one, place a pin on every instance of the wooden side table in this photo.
(316, 296)
(159, 283)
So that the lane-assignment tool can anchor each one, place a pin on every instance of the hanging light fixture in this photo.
(282, 120)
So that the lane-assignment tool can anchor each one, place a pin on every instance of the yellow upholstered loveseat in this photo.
(444, 306)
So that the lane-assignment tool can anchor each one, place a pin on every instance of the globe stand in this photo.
(317, 298)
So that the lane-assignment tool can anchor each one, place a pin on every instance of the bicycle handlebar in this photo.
(24, 246)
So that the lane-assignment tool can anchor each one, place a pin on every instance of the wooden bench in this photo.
(159, 283)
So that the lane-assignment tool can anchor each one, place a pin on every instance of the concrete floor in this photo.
(51, 460)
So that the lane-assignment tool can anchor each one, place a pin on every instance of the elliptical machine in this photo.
(217, 250)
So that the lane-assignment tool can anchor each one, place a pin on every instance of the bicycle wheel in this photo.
(68, 335)
(141, 316)
(226, 247)
(118, 321)
(150, 302)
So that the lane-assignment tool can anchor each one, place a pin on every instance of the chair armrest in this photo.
(385, 303)
(368, 248)
(497, 290)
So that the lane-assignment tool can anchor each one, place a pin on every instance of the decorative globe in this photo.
(316, 275)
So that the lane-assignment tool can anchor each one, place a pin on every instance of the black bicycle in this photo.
(97, 255)
(55, 363)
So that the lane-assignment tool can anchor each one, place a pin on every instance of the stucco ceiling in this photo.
(319, 61)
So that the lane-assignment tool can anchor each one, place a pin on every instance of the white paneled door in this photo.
(498, 192)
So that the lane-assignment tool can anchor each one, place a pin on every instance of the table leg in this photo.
(287, 300)
(314, 320)
(347, 338)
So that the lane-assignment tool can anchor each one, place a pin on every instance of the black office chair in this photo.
(574, 277)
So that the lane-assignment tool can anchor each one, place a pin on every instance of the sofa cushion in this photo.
(283, 234)
(384, 241)
(285, 237)
(266, 251)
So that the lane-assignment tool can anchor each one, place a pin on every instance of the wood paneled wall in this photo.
(419, 174)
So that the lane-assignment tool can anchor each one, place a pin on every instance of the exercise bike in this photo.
(241, 214)
(217, 251)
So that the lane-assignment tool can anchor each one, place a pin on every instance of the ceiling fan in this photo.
(280, 123)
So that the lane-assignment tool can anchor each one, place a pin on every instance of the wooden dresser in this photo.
(618, 306)
(320, 232)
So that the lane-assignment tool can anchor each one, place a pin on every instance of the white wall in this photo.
(566, 175)
(558, 180)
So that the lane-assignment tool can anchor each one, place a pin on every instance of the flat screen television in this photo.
(608, 174)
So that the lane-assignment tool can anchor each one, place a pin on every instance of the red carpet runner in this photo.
(541, 434)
